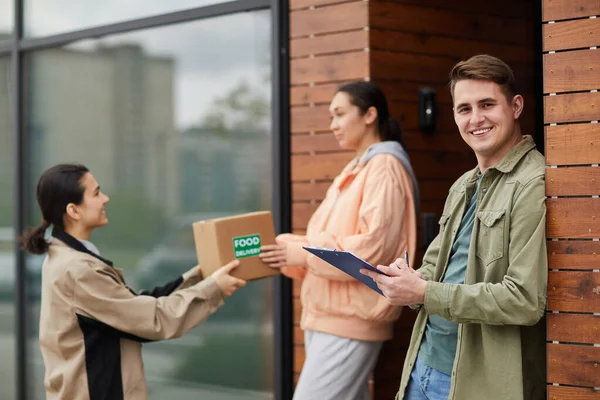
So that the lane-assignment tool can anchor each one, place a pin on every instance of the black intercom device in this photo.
(429, 228)
(427, 110)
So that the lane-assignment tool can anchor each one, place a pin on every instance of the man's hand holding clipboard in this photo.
(399, 283)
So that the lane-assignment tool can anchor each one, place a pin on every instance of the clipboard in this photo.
(348, 263)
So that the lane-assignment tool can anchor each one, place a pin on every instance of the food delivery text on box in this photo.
(246, 246)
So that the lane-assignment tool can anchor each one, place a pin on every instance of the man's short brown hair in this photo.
(486, 68)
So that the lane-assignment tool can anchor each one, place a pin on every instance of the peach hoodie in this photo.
(368, 210)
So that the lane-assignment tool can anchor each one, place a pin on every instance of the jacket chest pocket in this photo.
(490, 241)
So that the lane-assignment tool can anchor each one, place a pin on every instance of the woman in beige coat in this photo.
(91, 323)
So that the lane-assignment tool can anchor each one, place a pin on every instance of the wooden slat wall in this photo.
(402, 45)
(415, 44)
(328, 46)
(571, 81)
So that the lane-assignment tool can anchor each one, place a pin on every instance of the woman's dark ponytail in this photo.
(58, 186)
(367, 94)
(391, 130)
(34, 240)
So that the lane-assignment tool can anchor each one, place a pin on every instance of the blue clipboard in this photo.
(347, 262)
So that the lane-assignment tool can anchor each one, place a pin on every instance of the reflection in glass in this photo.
(49, 17)
(6, 19)
(7, 258)
(174, 124)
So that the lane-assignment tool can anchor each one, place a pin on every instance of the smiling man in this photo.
(481, 288)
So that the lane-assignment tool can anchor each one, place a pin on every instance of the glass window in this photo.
(6, 19)
(49, 17)
(7, 237)
(174, 123)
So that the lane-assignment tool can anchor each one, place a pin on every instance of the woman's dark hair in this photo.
(58, 186)
(365, 95)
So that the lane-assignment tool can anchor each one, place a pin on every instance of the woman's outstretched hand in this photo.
(275, 255)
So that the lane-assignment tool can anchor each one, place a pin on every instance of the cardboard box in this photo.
(221, 240)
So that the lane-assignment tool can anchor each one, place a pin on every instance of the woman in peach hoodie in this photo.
(370, 210)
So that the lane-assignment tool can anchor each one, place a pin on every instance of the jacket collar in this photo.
(510, 160)
(76, 244)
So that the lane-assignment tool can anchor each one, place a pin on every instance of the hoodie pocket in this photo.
(490, 241)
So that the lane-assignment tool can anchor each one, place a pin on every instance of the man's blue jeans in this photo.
(427, 383)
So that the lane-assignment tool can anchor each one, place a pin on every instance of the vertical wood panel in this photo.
(573, 365)
(572, 70)
(333, 18)
(573, 181)
(333, 43)
(329, 68)
(577, 218)
(572, 393)
(571, 34)
(572, 291)
(574, 328)
(574, 107)
(575, 289)
(574, 254)
(554, 10)
(573, 280)
(300, 4)
(573, 144)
